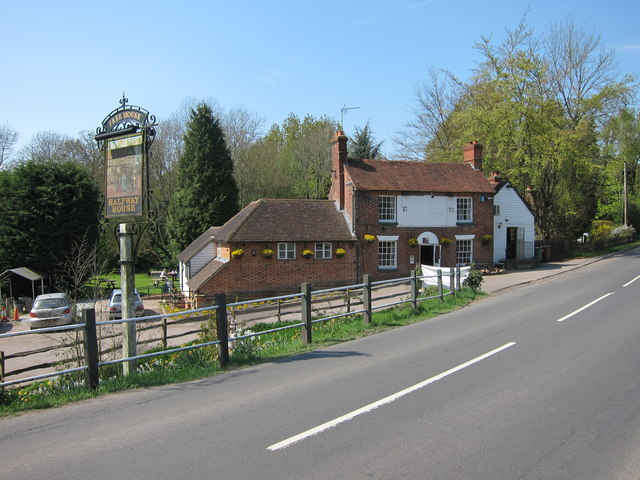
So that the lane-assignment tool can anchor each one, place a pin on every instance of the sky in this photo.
(66, 64)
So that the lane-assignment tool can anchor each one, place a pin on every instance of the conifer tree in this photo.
(206, 192)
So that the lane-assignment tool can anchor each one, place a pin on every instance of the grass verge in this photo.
(202, 362)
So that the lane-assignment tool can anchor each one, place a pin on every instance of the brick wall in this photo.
(366, 205)
(254, 274)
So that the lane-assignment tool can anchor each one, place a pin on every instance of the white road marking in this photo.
(391, 398)
(583, 308)
(629, 283)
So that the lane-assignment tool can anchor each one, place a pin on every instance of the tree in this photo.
(364, 145)
(206, 192)
(537, 104)
(45, 208)
(8, 139)
(303, 153)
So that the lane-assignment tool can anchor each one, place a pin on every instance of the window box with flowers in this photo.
(307, 253)
(267, 253)
(237, 253)
(486, 239)
(340, 252)
(445, 241)
(369, 238)
(413, 242)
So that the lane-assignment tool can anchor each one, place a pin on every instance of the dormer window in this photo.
(386, 208)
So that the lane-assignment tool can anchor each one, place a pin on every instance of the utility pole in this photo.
(626, 198)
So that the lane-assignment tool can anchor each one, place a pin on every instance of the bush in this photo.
(474, 279)
(623, 231)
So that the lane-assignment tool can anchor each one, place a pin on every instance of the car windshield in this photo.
(49, 303)
(117, 298)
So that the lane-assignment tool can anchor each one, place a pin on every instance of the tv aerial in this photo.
(343, 111)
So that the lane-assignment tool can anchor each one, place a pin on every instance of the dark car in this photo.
(115, 304)
(51, 309)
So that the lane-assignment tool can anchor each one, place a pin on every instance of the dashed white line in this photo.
(583, 308)
(630, 282)
(391, 398)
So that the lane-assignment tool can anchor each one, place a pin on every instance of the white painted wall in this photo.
(424, 211)
(196, 263)
(513, 213)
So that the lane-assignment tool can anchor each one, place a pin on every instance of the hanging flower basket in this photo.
(413, 242)
(237, 253)
(307, 253)
(340, 252)
(267, 253)
(445, 241)
(486, 239)
(369, 238)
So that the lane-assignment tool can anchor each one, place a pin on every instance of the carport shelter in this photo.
(21, 276)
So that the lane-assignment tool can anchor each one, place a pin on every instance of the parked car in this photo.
(51, 309)
(115, 304)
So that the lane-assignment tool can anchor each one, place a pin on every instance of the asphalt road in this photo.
(542, 382)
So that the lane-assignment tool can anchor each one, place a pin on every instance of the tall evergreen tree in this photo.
(364, 144)
(45, 208)
(206, 192)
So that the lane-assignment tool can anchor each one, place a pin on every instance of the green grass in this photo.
(143, 283)
(609, 250)
(202, 362)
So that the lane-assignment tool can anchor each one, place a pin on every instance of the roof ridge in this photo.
(250, 212)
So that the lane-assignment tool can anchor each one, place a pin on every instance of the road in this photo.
(542, 382)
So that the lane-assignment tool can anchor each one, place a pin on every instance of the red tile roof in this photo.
(397, 176)
(278, 220)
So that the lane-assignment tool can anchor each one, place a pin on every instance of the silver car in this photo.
(115, 304)
(51, 309)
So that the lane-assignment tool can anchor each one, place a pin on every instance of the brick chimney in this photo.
(495, 178)
(338, 159)
(473, 154)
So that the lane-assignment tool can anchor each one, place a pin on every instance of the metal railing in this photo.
(391, 293)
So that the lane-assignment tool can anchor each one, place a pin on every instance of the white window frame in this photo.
(323, 250)
(286, 251)
(387, 209)
(388, 260)
(467, 241)
(464, 214)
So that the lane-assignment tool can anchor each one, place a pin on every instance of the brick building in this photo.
(382, 217)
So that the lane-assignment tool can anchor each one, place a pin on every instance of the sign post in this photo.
(125, 138)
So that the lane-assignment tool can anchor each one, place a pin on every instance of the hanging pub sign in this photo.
(125, 138)
(125, 157)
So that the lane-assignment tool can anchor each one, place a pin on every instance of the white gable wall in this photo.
(196, 263)
(513, 213)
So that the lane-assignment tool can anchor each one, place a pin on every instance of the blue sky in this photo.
(65, 64)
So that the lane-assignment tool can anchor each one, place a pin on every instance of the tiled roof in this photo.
(205, 274)
(397, 176)
(195, 246)
(273, 220)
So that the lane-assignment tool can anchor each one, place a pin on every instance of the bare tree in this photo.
(582, 73)
(436, 99)
(8, 140)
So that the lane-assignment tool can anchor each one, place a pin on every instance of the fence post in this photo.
(164, 333)
(440, 289)
(452, 282)
(458, 274)
(1, 366)
(91, 347)
(279, 311)
(306, 313)
(222, 326)
(348, 301)
(414, 288)
(367, 300)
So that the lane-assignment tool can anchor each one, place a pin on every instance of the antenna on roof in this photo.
(344, 110)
